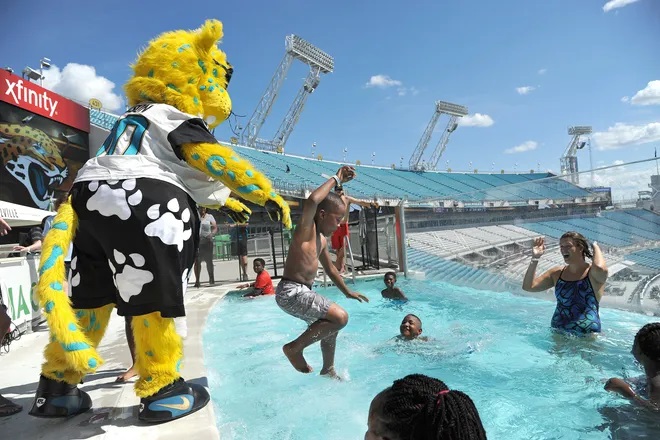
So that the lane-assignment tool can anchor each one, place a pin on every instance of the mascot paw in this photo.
(237, 217)
(59, 399)
(236, 210)
(173, 401)
(278, 211)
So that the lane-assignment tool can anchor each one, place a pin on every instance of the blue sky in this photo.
(582, 65)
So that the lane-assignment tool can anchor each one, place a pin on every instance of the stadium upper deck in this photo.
(293, 175)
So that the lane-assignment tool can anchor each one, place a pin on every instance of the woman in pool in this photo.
(646, 350)
(419, 407)
(578, 284)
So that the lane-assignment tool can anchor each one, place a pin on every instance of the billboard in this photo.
(44, 141)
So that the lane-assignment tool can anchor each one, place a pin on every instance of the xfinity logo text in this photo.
(19, 93)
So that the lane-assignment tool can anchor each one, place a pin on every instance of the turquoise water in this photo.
(527, 382)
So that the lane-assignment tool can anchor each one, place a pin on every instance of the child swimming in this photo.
(411, 328)
(392, 292)
(646, 350)
(322, 212)
(419, 407)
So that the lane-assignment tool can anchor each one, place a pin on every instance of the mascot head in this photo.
(186, 70)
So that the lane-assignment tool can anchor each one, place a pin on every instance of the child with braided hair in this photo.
(419, 407)
(646, 350)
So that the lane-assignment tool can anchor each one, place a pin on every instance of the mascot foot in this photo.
(59, 399)
(173, 401)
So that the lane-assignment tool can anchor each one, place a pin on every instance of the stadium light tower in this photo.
(44, 63)
(32, 74)
(569, 162)
(318, 61)
(454, 111)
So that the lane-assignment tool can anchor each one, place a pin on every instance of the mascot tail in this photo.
(70, 354)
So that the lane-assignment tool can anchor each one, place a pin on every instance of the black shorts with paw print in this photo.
(134, 247)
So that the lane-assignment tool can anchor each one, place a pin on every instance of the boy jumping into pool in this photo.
(322, 212)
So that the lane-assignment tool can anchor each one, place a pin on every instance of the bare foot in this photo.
(128, 375)
(331, 373)
(296, 358)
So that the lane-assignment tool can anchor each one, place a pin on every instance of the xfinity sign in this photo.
(20, 93)
(33, 98)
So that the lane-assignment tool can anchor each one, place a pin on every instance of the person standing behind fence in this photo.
(342, 231)
(239, 239)
(207, 230)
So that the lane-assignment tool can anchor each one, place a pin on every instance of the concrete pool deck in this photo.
(115, 406)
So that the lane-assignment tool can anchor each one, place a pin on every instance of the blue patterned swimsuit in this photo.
(577, 306)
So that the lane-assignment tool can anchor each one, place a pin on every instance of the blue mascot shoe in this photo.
(59, 399)
(173, 401)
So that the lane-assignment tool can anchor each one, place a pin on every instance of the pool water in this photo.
(526, 381)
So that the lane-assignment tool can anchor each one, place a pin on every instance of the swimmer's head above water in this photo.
(574, 246)
(411, 327)
(419, 407)
(646, 347)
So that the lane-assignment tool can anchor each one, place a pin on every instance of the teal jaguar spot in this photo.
(75, 346)
(247, 188)
(211, 165)
(62, 226)
(50, 261)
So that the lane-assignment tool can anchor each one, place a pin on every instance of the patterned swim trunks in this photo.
(301, 301)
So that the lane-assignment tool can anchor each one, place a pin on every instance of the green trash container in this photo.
(222, 246)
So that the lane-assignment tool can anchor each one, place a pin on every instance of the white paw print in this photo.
(167, 226)
(129, 280)
(74, 276)
(112, 198)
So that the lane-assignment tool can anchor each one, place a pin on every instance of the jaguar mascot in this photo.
(132, 217)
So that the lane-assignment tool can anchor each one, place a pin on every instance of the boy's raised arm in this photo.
(344, 174)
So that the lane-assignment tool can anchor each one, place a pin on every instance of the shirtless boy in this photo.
(391, 291)
(322, 212)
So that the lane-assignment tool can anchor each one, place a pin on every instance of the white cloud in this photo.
(525, 89)
(625, 99)
(622, 135)
(476, 120)
(525, 146)
(383, 81)
(542, 71)
(615, 4)
(403, 91)
(81, 83)
(649, 95)
(625, 180)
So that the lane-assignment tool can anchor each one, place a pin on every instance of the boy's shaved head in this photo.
(331, 203)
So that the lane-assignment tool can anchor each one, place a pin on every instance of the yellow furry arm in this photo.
(223, 164)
